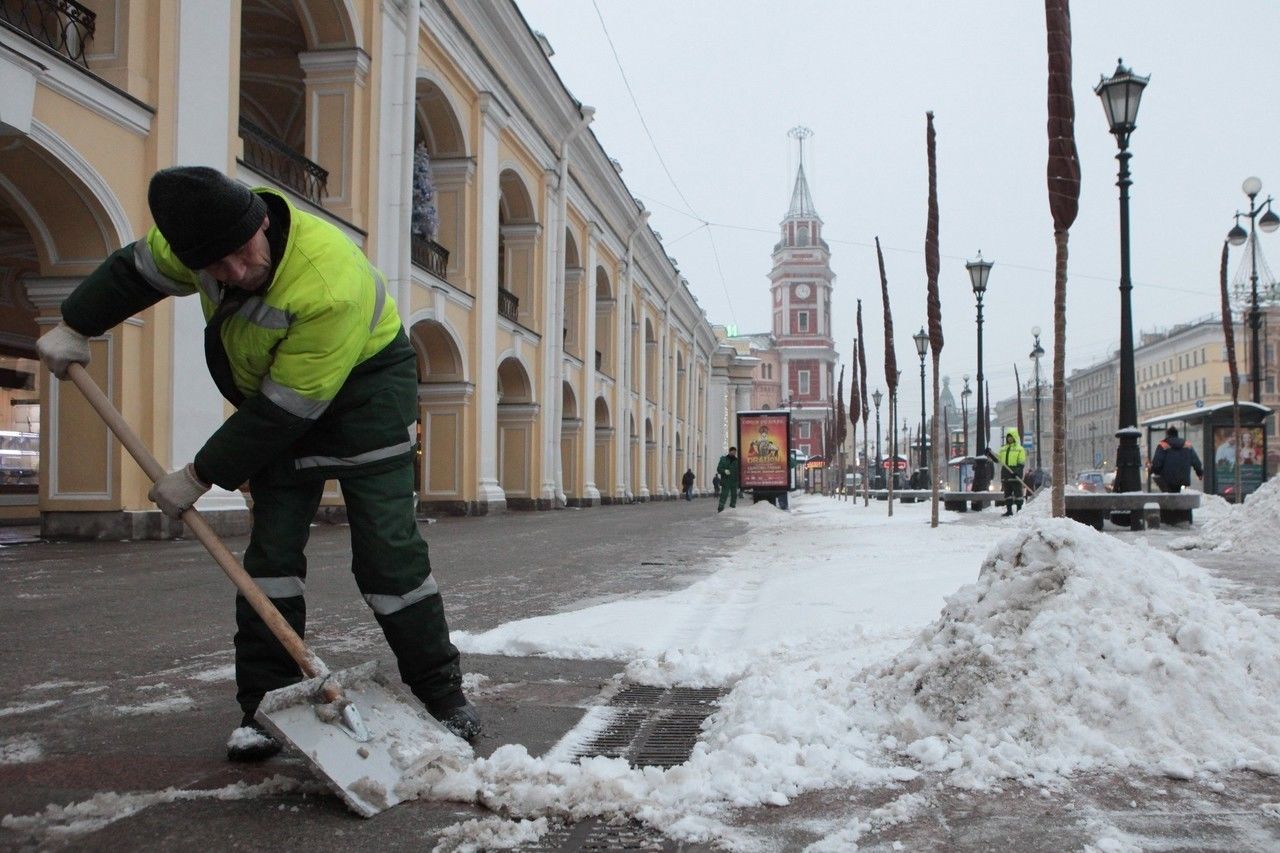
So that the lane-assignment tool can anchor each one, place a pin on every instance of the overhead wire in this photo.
(670, 177)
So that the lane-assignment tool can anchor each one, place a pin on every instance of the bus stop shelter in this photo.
(1210, 430)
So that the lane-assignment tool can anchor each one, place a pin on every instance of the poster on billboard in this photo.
(1224, 458)
(763, 438)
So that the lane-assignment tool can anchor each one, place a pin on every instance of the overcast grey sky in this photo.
(719, 82)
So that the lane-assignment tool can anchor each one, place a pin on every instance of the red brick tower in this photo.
(800, 283)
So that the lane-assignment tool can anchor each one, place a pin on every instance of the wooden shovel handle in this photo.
(309, 663)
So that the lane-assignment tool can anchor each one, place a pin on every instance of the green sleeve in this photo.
(111, 294)
(255, 434)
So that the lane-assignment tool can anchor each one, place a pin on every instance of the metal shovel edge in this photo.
(406, 752)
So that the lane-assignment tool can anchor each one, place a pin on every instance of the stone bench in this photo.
(955, 501)
(961, 501)
(1143, 508)
(907, 496)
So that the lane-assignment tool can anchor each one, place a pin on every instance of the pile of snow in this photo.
(1248, 528)
(1213, 508)
(1076, 651)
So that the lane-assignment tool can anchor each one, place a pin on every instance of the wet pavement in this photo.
(115, 664)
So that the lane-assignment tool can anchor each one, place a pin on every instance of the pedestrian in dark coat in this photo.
(687, 482)
(727, 468)
(715, 485)
(1174, 458)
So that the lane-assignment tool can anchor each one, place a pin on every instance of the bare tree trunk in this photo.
(1059, 375)
(866, 468)
(936, 452)
(893, 461)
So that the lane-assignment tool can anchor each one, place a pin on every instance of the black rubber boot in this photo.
(251, 742)
(457, 715)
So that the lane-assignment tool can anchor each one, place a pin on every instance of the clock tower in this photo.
(801, 284)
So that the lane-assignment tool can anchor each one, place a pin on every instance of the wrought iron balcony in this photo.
(64, 26)
(273, 158)
(429, 255)
(508, 305)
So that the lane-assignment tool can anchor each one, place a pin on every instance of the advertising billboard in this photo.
(764, 443)
(1224, 458)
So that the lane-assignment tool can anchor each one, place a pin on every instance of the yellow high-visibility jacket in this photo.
(1013, 456)
(307, 354)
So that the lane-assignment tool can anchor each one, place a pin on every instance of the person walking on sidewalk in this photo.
(727, 470)
(1172, 463)
(1012, 458)
(715, 485)
(687, 483)
(304, 339)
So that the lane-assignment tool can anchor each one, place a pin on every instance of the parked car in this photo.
(1091, 481)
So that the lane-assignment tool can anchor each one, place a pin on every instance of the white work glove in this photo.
(61, 348)
(176, 491)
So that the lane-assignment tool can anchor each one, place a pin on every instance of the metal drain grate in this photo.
(654, 726)
(649, 727)
(600, 837)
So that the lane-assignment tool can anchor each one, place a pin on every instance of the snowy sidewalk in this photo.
(1016, 683)
(1076, 665)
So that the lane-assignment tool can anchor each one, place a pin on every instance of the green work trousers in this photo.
(729, 492)
(390, 563)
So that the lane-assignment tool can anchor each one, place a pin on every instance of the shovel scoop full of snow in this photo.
(376, 747)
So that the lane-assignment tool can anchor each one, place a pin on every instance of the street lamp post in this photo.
(876, 397)
(1037, 352)
(922, 347)
(1121, 94)
(1093, 445)
(979, 272)
(964, 412)
(1237, 237)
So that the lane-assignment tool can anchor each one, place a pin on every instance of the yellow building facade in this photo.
(562, 358)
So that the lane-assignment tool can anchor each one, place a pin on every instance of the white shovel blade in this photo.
(407, 748)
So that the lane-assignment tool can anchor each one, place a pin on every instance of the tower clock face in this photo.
(802, 291)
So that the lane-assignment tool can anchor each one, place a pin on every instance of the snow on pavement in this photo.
(860, 649)
(1063, 650)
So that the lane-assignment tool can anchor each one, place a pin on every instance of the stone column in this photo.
(622, 373)
(642, 474)
(551, 481)
(336, 120)
(587, 301)
(489, 494)
(203, 97)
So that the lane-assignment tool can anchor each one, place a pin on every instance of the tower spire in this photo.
(801, 200)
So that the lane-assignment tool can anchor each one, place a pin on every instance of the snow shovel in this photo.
(374, 759)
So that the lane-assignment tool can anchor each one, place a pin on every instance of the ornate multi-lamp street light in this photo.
(1121, 93)
(876, 397)
(1037, 352)
(979, 272)
(1237, 236)
(922, 347)
(964, 412)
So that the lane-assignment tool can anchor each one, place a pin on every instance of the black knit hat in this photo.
(203, 214)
